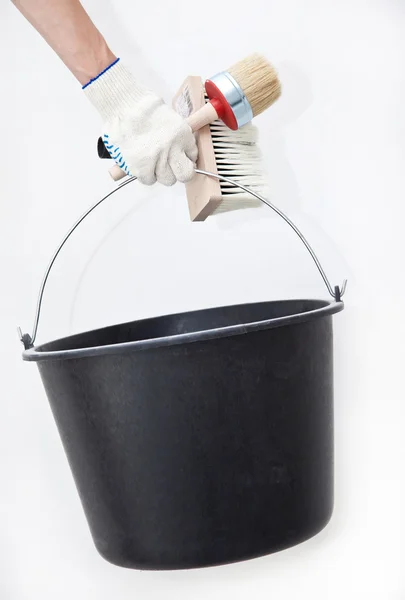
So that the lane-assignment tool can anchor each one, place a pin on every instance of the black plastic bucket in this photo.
(200, 438)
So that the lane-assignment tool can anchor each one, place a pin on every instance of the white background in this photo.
(334, 148)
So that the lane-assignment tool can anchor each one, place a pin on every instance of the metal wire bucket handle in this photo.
(336, 292)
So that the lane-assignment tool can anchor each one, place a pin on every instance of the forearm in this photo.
(68, 29)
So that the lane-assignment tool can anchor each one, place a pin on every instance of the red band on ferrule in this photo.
(221, 105)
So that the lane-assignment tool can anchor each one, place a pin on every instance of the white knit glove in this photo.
(144, 136)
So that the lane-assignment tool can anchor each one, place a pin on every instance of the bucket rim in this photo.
(326, 308)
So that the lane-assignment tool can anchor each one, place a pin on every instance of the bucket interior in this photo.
(189, 322)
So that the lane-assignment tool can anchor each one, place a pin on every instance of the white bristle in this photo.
(238, 157)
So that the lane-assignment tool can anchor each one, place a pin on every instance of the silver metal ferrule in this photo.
(235, 97)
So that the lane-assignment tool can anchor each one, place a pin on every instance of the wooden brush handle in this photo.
(117, 173)
(204, 116)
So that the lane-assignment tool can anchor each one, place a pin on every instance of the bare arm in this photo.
(68, 29)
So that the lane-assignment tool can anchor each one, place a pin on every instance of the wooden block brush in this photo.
(231, 153)
(234, 96)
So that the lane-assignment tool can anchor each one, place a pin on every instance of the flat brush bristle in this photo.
(258, 80)
(238, 157)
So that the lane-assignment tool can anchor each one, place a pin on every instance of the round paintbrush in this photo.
(239, 94)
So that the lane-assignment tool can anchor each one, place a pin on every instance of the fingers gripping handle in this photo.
(204, 116)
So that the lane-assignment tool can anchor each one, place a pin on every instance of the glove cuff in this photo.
(114, 91)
